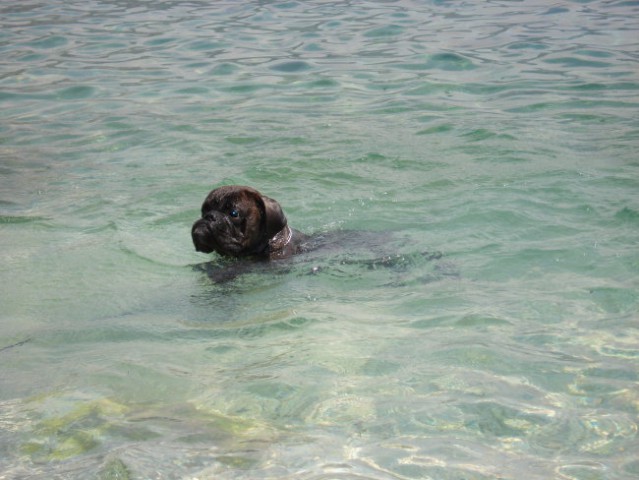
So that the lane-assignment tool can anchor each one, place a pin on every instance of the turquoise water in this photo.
(502, 134)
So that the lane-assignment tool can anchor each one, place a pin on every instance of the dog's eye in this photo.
(234, 213)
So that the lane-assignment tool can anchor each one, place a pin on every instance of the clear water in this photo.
(502, 134)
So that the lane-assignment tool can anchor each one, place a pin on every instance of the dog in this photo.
(238, 221)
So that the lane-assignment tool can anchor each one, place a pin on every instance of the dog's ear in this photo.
(275, 218)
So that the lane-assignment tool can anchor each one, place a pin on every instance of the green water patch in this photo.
(615, 300)
(225, 68)
(628, 215)
(530, 45)
(595, 435)
(158, 42)
(562, 106)
(594, 53)
(385, 31)
(243, 328)
(495, 420)
(476, 357)
(64, 427)
(243, 140)
(78, 431)
(48, 42)
(288, 5)
(312, 47)
(446, 61)
(632, 467)
(481, 321)
(32, 57)
(587, 118)
(395, 108)
(556, 10)
(244, 88)
(323, 83)
(21, 219)
(272, 390)
(437, 129)
(574, 62)
(205, 45)
(193, 91)
(79, 92)
(295, 66)
(481, 134)
(114, 469)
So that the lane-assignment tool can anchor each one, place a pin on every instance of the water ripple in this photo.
(503, 134)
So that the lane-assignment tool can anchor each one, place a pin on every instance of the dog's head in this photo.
(237, 221)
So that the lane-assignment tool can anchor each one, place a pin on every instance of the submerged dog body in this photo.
(239, 221)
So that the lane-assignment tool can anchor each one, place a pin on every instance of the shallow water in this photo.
(501, 134)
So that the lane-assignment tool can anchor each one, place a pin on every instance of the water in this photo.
(502, 134)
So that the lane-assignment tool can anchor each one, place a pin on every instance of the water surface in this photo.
(501, 134)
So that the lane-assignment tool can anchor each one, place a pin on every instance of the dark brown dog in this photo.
(239, 221)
